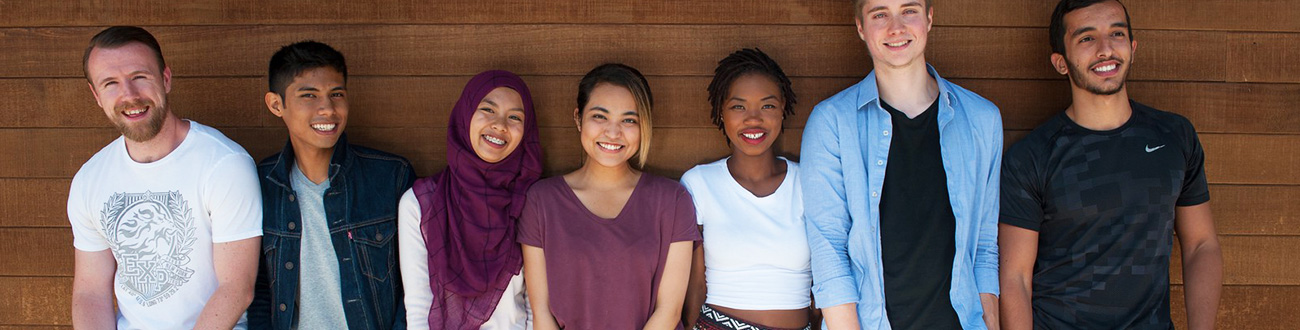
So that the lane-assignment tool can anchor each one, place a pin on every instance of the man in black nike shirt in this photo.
(1090, 199)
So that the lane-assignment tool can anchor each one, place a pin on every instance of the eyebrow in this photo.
(1090, 29)
(737, 98)
(489, 102)
(132, 73)
(909, 4)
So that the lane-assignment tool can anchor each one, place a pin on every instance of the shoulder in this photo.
(1038, 141)
(373, 157)
(845, 101)
(1167, 121)
(213, 141)
(106, 156)
(547, 187)
(973, 105)
(701, 174)
(662, 187)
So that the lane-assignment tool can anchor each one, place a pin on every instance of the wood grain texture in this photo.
(36, 300)
(1251, 260)
(1265, 15)
(567, 49)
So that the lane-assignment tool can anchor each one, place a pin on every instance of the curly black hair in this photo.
(743, 62)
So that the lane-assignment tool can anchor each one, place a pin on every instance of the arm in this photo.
(535, 282)
(413, 256)
(990, 303)
(695, 289)
(260, 310)
(672, 287)
(1202, 264)
(826, 215)
(92, 290)
(236, 267)
(1019, 250)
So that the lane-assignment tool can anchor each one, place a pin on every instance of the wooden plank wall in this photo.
(1228, 65)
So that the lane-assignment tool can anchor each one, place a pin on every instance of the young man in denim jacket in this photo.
(328, 256)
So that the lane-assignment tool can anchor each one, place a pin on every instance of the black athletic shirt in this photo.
(1103, 206)
(917, 226)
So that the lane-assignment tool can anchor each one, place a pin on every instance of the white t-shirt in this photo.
(756, 254)
(161, 219)
(512, 312)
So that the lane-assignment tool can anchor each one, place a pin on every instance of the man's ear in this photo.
(1059, 64)
(167, 79)
(94, 93)
(274, 103)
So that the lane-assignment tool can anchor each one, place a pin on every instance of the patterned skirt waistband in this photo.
(711, 319)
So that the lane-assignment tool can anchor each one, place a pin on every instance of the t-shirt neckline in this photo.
(573, 195)
(749, 194)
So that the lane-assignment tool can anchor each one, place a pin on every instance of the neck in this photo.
(593, 174)
(909, 89)
(313, 162)
(171, 135)
(754, 168)
(1099, 112)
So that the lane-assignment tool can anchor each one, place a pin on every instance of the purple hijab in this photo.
(470, 211)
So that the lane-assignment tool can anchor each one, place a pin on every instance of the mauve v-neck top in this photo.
(604, 273)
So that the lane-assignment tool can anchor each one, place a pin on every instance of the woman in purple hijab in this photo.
(460, 264)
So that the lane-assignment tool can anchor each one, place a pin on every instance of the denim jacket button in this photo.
(288, 265)
(292, 225)
(283, 307)
(290, 197)
(379, 237)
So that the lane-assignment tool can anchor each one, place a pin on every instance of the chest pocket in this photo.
(375, 248)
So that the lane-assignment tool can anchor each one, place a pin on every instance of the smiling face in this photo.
(497, 125)
(131, 87)
(314, 108)
(1098, 48)
(609, 126)
(895, 31)
(752, 115)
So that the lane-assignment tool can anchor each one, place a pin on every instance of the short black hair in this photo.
(1057, 27)
(621, 75)
(738, 64)
(290, 61)
(118, 36)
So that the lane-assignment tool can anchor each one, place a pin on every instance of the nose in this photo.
(753, 116)
(499, 123)
(326, 107)
(1106, 49)
(895, 26)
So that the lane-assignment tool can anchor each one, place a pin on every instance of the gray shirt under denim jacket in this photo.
(361, 210)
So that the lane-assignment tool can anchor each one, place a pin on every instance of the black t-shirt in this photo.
(917, 226)
(1103, 206)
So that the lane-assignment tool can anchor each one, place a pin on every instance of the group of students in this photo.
(1073, 229)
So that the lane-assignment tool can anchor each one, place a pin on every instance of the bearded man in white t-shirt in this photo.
(166, 219)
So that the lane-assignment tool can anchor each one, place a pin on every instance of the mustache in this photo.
(136, 103)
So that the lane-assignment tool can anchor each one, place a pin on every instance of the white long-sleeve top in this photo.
(512, 313)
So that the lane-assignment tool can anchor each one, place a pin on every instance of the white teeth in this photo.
(896, 44)
(133, 112)
(323, 127)
(754, 136)
(611, 147)
(489, 138)
(1107, 68)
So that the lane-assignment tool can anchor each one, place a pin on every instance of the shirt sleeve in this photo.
(233, 199)
(684, 225)
(1195, 188)
(826, 211)
(86, 233)
(1021, 201)
(532, 221)
(689, 181)
(986, 248)
(413, 259)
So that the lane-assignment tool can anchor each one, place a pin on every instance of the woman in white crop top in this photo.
(753, 270)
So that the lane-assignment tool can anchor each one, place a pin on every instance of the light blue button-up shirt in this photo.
(843, 158)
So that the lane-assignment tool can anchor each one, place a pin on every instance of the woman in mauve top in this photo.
(754, 266)
(456, 229)
(608, 246)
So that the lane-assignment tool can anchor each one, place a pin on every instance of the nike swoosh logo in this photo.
(1150, 149)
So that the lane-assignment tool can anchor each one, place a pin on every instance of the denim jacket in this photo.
(361, 208)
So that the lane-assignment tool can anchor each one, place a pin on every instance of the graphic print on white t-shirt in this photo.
(152, 235)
